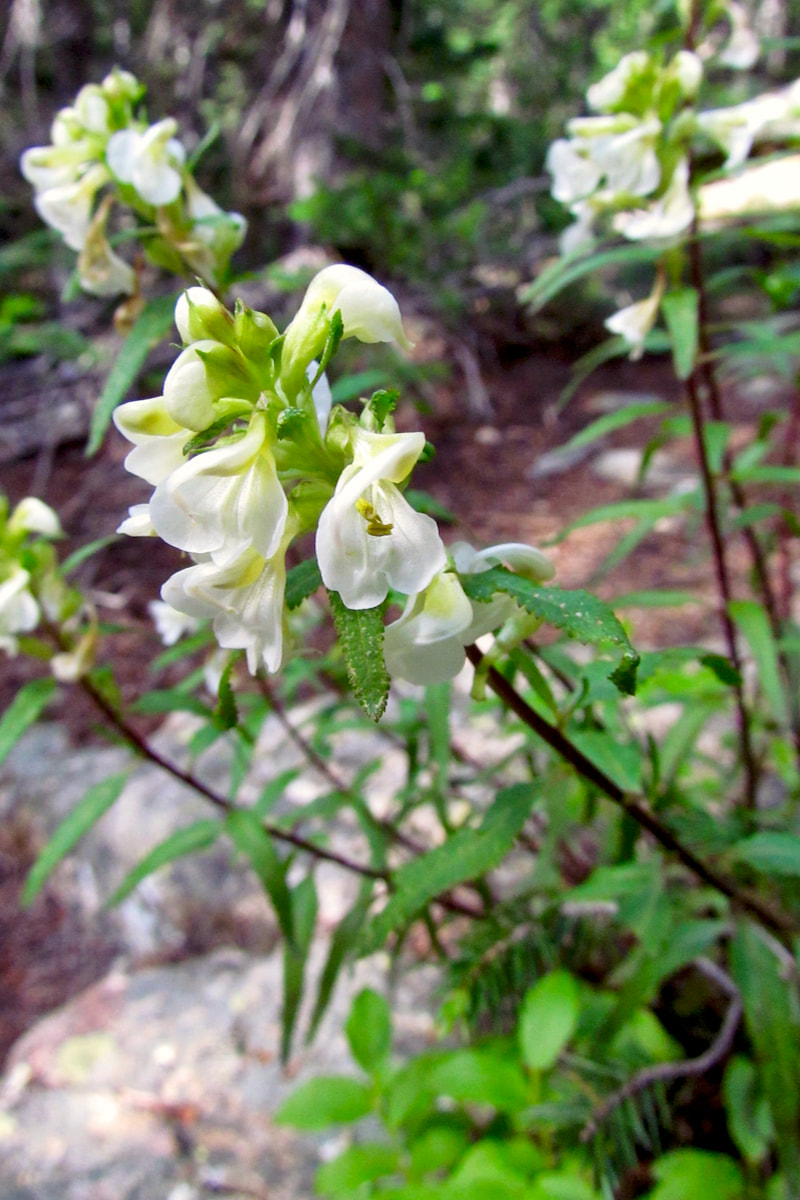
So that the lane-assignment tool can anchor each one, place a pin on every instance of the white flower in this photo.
(150, 161)
(171, 624)
(19, 611)
(369, 537)
(204, 372)
(137, 523)
(223, 501)
(199, 316)
(687, 68)
(158, 439)
(574, 173)
(369, 311)
(672, 214)
(67, 207)
(32, 515)
(735, 129)
(742, 48)
(100, 270)
(244, 601)
(608, 92)
(426, 644)
(635, 322)
(764, 187)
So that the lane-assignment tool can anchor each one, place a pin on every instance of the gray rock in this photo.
(163, 1083)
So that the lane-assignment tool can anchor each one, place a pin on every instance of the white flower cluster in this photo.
(627, 169)
(99, 146)
(22, 561)
(245, 454)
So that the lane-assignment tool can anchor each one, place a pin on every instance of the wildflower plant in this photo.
(597, 868)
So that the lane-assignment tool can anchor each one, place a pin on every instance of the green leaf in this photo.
(696, 1175)
(357, 1165)
(768, 474)
(87, 812)
(748, 1116)
(772, 853)
(23, 710)
(301, 582)
(753, 622)
(481, 1077)
(342, 942)
(772, 1017)
(191, 840)
(369, 1030)
(226, 714)
(350, 386)
(171, 700)
(153, 325)
(615, 420)
(295, 956)
(360, 632)
(466, 855)
(323, 1101)
(83, 552)
(548, 1019)
(639, 510)
(568, 270)
(249, 837)
(681, 313)
(579, 614)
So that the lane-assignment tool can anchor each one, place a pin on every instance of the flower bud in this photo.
(200, 315)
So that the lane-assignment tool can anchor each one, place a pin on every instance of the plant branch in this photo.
(223, 804)
(724, 590)
(776, 921)
(667, 1072)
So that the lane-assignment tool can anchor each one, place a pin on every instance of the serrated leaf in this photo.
(301, 582)
(290, 422)
(579, 614)
(466, 855)
(548, 1019)
(23, 710)
(680, 307)
(87, 812)
(325, 1100)
(252, 840)
(153, 325)
(360, 633)
(191, 840)
(382, 403)
(771, 852)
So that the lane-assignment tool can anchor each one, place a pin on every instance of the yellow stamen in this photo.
(375, 526)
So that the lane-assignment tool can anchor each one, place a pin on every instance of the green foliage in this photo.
(360, 633)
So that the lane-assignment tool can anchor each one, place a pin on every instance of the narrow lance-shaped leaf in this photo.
(681, 313)
(295, 956)
(252, 840)
(23, 711)
(193, 839)
(342, 943)
(360, 634)
(581, 615)
(466, 855)
(87, 813)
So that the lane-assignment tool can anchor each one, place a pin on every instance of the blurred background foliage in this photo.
(405, 136)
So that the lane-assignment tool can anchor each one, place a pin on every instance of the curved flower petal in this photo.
(244, 601)
(665, 218)
(426, 645)
(224, 501)
(159, 441)
(369, 537)
(68, 206)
